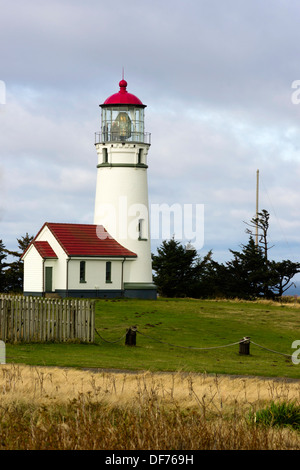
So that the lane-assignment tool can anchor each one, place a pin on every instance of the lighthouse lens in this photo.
(121, 127)
(123, 123)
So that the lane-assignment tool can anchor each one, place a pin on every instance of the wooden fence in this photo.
(39, 319)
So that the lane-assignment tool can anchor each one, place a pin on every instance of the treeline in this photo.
(11, 272)
(180, 272)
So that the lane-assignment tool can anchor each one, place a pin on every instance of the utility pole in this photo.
(257, 192)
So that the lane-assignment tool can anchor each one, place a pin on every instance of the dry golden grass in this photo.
(56, 408)
(49, 385)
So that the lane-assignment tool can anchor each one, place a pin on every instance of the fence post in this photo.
(2, 352)
(2, 318)
(131, 336)
(244, 345)
(92, 326)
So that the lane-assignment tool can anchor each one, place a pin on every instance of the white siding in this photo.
(95, 274)
(33, 271)
(60, 265)
(121, 200)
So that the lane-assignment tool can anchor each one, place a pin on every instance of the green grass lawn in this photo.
(182, 323)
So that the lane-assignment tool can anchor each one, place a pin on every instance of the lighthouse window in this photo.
(108, 272)
(140, 156)
(82, 271)
(141, 229)
(122, 123)
(105, 156)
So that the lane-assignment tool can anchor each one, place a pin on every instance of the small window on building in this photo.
(140, 156)
(141, 229)
(108, 271)
(82, 271)
(105, 156)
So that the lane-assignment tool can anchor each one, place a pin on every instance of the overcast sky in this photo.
(216, 76)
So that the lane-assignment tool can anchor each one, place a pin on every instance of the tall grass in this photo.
(52, 408)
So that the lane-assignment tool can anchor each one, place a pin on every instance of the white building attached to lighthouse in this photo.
(112, 257)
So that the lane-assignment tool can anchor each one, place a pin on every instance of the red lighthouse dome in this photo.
(123, 97)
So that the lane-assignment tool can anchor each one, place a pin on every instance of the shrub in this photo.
(278, 414)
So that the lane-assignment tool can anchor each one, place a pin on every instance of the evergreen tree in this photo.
(213, 281)
(177, 269)
(247, 274)
(261, 225)
(180, 272)
(3, 265)
(281, 274)
(14, 271)
(278, 275)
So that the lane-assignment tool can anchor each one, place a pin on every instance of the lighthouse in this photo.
(111, 257)
(121, 201)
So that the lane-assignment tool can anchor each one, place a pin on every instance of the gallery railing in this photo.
(102, 137)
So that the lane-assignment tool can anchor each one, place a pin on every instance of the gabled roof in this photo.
(44, 249)
(85, 240)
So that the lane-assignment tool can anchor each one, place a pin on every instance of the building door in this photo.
(48, 279)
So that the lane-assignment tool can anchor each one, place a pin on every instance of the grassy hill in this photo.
(171, 330)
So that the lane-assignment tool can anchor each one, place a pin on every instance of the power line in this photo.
(278, 221)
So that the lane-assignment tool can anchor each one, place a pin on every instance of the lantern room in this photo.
(122, 118)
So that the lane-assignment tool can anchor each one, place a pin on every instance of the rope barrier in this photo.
(271, 350)
(190, 347)
(244, 340)
(111, 342)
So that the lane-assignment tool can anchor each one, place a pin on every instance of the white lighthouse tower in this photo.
(121, 203)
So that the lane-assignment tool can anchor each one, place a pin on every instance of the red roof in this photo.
(87, 240)
(123, 97)
(44, 249)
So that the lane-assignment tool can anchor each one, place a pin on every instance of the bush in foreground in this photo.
(279, 415)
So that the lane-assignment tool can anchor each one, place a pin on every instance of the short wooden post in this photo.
(131, 336)
(244, 345)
